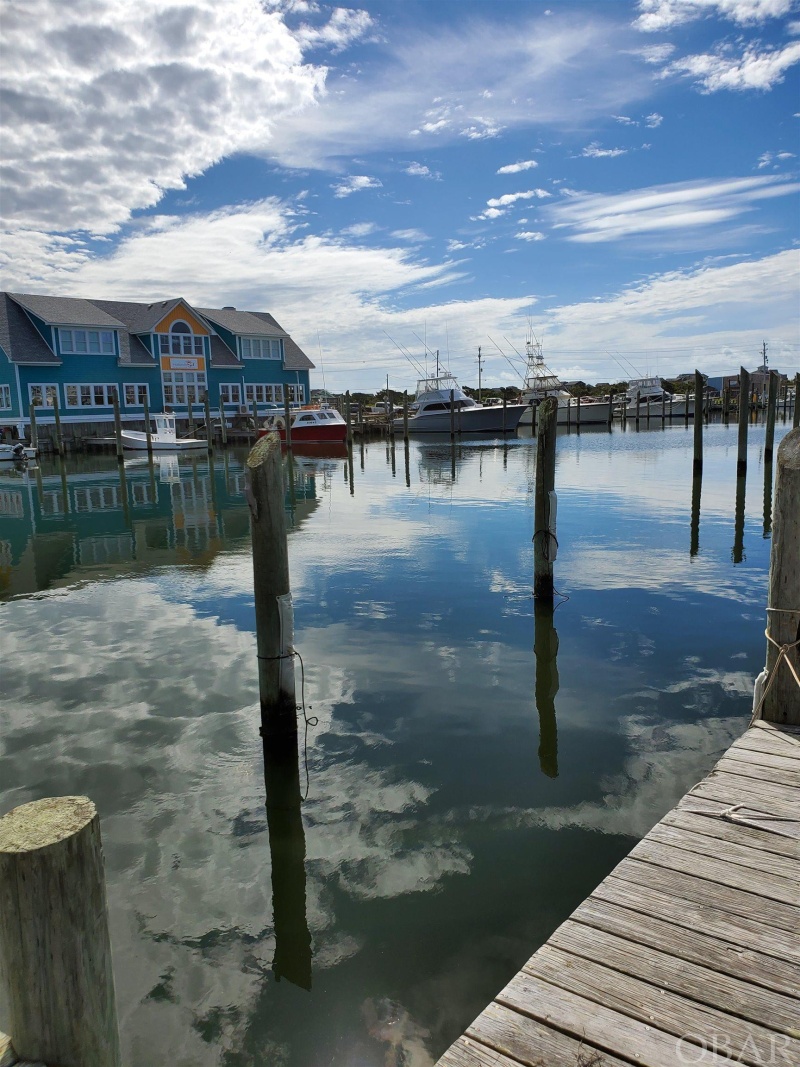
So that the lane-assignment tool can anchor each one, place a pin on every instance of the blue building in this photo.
(78, 353)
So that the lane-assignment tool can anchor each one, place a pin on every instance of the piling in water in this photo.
(698, 426)
(744, 416)
(544, 540)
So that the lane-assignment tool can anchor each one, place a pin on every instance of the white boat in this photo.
(648, 394)
(431, 410)
(541, 382)
(165, 439)
(313, 424)
(16, 452)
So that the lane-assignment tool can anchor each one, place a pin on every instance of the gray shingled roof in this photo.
(244, 323)
(221, 355)
(66, 311)
(138, 318)
(20, 339)
(294, 357)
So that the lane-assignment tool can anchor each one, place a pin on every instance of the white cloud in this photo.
(529, 235)
(653, 120)
(662, 14)
(137, 97)
(419, 170)
(515, 168)
(500, 205)
(357, 183)
(482, 129)
(594, 151)
(360, 229)
(598, 217)
(346, 25)
(753, 70)
(656, 54)
(625, 120)
(412, 234)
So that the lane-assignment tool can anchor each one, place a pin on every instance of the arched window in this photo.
(180, 341)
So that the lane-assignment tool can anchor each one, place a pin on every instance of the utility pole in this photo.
(764, 356)
(480, 367)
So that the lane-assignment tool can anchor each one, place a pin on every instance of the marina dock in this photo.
(688, 952)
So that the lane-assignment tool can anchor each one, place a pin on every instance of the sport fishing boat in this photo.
(164, 439)
(541, 382)
(431, 410)
(309, 425)
(647, 392)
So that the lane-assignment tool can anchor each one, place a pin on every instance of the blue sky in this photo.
(619, 178)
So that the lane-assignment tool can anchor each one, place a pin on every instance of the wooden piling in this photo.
(698, 427)
(57, 419)
(209, 428)
(405, 415)
(578, 412)
(545, 649)
(663, 407)
(686, 405)
(726, 403)
(255, 416)
(772, 403)
(287, 416)
(796, 415)
(117, 426)
(505, 406)
(782, 699)
(273, 598)
(55, 951)
(223, 429)
(744, 416)
(452, 413)
(147, 429)
(610, 416)
(694, 529)
(638, 403)
(191, 417)
(738, 519)
(34, 429)
(544, 543)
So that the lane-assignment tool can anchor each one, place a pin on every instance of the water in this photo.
(464, 793)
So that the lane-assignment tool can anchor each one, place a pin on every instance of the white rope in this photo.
(765, 679)
(731, 815)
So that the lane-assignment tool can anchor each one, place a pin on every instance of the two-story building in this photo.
(78, 353)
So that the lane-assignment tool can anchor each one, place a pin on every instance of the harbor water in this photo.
(469, 767)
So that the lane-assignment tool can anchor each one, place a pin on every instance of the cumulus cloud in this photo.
(516, 168)
(751, 70)
(419, 170)
(595, 151)
(529, 235)
(500, 205)
(355, 184)
(137, 98)
(592, 217)
(659, 15)
(653, 120)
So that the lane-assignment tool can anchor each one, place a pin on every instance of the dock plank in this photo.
(670, 1012)
(687, 951)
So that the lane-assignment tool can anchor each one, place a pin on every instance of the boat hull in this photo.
(467, 420)
(590, 415)
(136, 441)
(315, 434)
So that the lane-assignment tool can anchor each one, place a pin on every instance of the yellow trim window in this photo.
(180, 341)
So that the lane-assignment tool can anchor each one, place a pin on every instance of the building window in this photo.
(230, 394)
(81, 342)
(5, 397)
(136, 395)
(90, 396)
(264, 394)
(42, 396)
(261, 348)
(184, 387)
(296, 393)
(180, 341)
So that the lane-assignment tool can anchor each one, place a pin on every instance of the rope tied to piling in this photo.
(545, 534)
(766, 678)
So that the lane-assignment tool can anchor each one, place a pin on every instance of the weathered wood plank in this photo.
(8, 1056)
(670, 1012)
(768, 886)
(788, 778)
(608, 1030)
(781, 729)
(780, 743)
(779, 975)
(705, 918)
(716, 828)
(467, 1053)
(739, 814)
(767, 791)
(737, 790)
(702, 984)
(730, 851)
(686, 886)
(762, 759)
(528, 1041)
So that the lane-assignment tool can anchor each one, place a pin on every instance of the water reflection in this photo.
(767, 498)
(697, 488)
(738, 536)
(545, 647)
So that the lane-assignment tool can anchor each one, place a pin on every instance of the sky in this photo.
(618, 180)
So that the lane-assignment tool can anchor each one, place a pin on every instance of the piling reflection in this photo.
(287, 848)
(545, 647)
(697, 486)
(767, 498)
(738, 536)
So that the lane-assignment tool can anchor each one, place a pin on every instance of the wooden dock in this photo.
(688, 952)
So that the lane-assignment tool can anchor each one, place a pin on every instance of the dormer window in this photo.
(86, 342)
(260, 348)
(180, 341)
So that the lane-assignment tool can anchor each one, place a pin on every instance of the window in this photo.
(93, 342)
(90, 396)
(184, 387)
(180, 341)
(136, 395)
(230, 394)
(43, 395)
(296, 393)
(264, 394)
(261, 348)
(5, 397)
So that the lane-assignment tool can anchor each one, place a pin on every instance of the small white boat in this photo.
(165, 439)
(314, 424)
(648, 394)
(430, 411)
(16, 452)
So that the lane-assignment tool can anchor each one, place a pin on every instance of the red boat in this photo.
(309, 425)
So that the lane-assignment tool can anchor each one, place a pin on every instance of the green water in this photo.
(473, 768)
